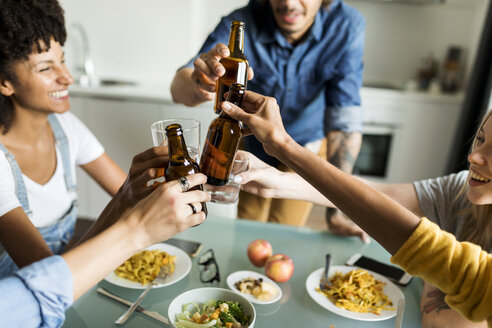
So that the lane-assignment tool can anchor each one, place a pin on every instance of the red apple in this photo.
(279, 267)
(259, 251)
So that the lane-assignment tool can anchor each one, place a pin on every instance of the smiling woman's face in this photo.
(480, 191)
(294, 17)
(42, 81)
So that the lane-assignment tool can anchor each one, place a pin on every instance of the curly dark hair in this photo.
(26, 26)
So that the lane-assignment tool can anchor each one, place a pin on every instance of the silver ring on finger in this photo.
(193, 208)
(184, 183)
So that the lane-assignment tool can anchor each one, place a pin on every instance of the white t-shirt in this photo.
(49, 202)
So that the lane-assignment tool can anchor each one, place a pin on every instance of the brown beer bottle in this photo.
(180, 163)
(236, 65)
(222, 141)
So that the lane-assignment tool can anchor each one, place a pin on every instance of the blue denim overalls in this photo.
(60, 233)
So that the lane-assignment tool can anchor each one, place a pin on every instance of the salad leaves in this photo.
(213, 314)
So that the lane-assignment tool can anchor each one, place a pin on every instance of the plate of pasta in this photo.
(355, 293)
(143, 266)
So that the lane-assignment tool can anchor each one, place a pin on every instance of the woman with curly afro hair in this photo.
(40, 141)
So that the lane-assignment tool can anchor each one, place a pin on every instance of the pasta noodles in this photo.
(144, 266)
(357, 291)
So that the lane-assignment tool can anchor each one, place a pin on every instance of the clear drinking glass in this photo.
(228, 193)
(191, 133)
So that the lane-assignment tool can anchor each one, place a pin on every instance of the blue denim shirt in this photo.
(37, 295)
(317, 82)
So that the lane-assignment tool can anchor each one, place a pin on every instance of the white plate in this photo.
(240, 275)
(394, 293)
(182, 268)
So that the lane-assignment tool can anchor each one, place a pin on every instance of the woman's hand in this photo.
(166, 211)
(145, 166)
(260, 179)
(262, 116)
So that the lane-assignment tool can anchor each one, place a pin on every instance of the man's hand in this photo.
(207, 70)
(195, 86)
(343, 226)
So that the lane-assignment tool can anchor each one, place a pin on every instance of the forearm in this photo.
(385, 220)
(20, 238)
(94, 259)
(183, 89)
(436, 313)
(115, 209)
(343, 148)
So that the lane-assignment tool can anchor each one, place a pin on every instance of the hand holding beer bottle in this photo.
(180, 163)
(236, 65)
(222, 142)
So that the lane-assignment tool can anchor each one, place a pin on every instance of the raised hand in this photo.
(262, 116)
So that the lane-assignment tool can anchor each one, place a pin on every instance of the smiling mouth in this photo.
(478, 177)
(58, 94)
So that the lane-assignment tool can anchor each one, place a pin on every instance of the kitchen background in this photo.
(410, 132)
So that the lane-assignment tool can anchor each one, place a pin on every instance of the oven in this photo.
(376, 152)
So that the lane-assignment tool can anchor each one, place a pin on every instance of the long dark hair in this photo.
(26, 26)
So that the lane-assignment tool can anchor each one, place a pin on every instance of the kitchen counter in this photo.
(155, 92)
(159, 92)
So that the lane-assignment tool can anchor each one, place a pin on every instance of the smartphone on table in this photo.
(192, 248)
(392, 272)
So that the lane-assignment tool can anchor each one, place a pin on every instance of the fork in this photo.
(161, 277)
(324, 282)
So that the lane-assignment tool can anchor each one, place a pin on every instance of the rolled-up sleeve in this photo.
(37, 295)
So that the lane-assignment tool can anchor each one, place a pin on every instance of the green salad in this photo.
(214, 314)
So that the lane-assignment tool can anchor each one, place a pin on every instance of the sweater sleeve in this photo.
(460, 269)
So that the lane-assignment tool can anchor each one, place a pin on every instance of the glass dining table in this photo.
(229, 240)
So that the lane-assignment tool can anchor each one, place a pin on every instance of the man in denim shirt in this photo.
(308, 56)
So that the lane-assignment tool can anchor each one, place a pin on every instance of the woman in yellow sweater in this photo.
(461, 270)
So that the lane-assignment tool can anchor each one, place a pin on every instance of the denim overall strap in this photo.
(20, 187)
(62, 142)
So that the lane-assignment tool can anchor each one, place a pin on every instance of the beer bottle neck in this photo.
(236, 41)
(177, 147)
(234, 98)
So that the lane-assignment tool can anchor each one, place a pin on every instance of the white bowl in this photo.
(202, 295)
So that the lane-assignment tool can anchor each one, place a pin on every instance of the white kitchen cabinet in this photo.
(423, 127)
(123, 128)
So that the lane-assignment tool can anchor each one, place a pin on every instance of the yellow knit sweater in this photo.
(460, 269)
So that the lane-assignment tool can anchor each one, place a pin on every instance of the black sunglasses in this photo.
(209, 269)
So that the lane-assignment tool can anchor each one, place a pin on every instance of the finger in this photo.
(193, 180)
(235, 112)
(251, 73)
(203, 81)
(195, 196)
(221, 50)
(196, 219)
(149, 168)
(202, 66)
(151, 153)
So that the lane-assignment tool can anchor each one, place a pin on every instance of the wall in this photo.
(149, 41)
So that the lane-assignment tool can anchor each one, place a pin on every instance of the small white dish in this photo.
(181, 270)
(240, 275)
(200, 296)
(394, 294)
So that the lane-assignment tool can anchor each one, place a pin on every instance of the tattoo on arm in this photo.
(343, 148)
(435, 303)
